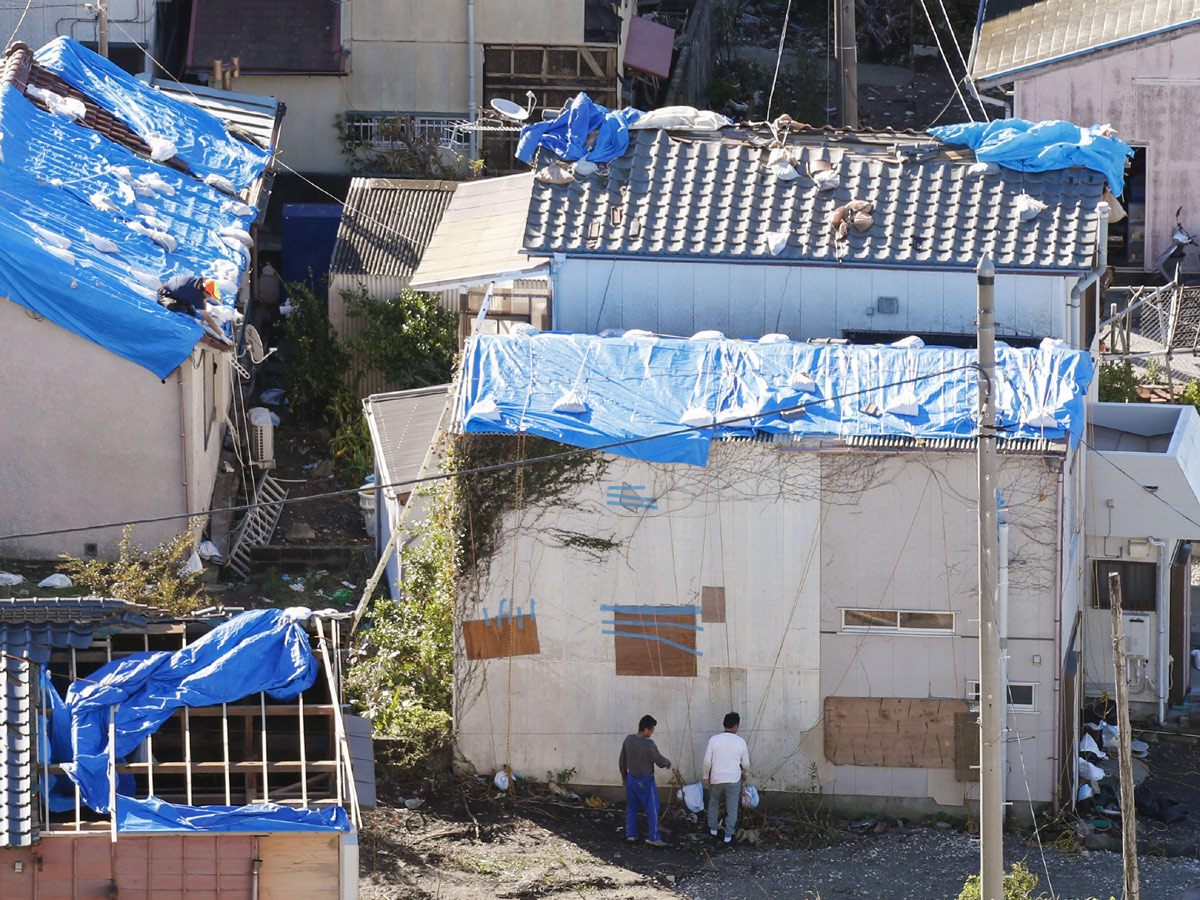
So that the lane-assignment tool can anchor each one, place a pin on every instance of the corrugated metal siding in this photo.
(387, 224)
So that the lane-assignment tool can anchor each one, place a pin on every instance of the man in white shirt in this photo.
(726, 762)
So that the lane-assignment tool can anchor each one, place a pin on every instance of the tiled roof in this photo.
(386, 225)
(714, 198)
(1016, 36)
(30, 629)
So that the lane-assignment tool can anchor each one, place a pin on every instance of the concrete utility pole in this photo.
(1124, 739)
(102, 28)
(993, 705)
(846, 46)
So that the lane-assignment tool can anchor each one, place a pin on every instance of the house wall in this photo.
(405, 57)
(90, 437)
(749, 300)
(43, 22)
(792, 538)
(1149, 95)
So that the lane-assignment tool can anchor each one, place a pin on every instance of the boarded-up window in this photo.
(712, 601)
(505, 635)
(654, 640)
(892, 731)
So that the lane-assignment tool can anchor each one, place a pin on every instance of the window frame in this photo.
(898, 627)
(972, 695)
(1132, 601)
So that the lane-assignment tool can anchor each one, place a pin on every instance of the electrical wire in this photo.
(946, 60)
(779, 57)
(20, 21)
(962, 59)
(483, 470)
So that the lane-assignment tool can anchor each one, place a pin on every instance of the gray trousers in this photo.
(731, 791)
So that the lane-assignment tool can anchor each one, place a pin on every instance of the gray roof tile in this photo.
(713, 198)
(387, 224)
(1017, 36)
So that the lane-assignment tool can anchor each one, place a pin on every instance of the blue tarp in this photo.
(93, 270)
(636, 388)
(152, 814)
(1042, 146)
(261, 650)
(566, 137)
(200, 137)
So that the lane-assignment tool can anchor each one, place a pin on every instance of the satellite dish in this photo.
(509, 110)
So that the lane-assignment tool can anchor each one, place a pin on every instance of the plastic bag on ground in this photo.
(502, 781)
(749, 796)
(692, 796)
(58, 580)
(8, 579)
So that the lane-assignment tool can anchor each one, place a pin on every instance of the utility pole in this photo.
(993, 705)
(846, 47)
(102, 27)
(1124, 739)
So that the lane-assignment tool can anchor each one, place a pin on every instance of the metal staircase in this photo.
(258, 526)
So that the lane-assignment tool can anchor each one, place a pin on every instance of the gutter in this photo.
(1075, 326)
(183, 448)
(471, 111)
(1163, 572)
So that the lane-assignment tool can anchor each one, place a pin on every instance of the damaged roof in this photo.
(905, 199)
(1018, 37)
(386, 225)
(30, 629)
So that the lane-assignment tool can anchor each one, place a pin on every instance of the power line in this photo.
(483, 470)
(945, 59)
(20, 21)
(779, 57)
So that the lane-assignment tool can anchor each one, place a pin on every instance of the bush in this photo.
(316, 360)
(1019, 884)
(411, 339)
(1117, 383)
(152, 577)
(401, 669)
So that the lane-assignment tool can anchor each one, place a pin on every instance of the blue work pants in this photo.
(641, 795)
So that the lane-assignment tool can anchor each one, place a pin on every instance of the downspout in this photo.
(1075, 326)
(471, 110)
(183, 448)
(1056, 723)
(1002, 630)
(1162, 601)
(255, 865)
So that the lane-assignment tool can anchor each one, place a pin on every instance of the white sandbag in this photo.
(583, 168)
(905, 405)
(692, 796)
(1088, 771)
(681, 117)
(238, 234)
(142, 190)
(161, 149)
(1050, 343)
(749, 796)
(58, 581)
(8, 579)
(570, 402)
(637, 333)
(104, 202)
(122, 172)
(103, 244)
(240, 209)
(208, 550)
(220, 182)
(155, 182)
(65, 255)
(524, 328)
(50, 237)
(912, 342)
(802, 381)
(1039, 417)
(221, 313)
(1028, 207)
(1087, 744)
(707, 335)
(486, 410)
(696, 417)
(774, 338)
(153, 282)
(776, 241)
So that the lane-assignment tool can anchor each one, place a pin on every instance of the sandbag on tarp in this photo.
(152, 814)
(1042, 146)
(658, 394)
(260, 650)
(199, 137)
(566, 137)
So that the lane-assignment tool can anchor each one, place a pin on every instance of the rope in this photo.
(512, 628)
(779, 57)
(946, 60)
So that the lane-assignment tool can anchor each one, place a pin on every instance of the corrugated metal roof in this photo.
(245, 115)
(30, 630)
(713, 198)
(387, 224)
(1015, 37)
(403, 425)
(480, 236)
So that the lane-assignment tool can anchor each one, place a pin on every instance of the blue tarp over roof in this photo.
(261, 650)
(77, 213)
(637, 388)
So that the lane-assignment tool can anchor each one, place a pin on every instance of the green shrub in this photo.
(316, 361)
(411, 339)
(1019, 884)
(1117, 383)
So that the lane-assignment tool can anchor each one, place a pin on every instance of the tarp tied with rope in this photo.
(661, 393)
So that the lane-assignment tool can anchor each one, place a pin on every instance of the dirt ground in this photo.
(468, 841)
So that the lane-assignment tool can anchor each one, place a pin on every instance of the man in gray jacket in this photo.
(639, 756)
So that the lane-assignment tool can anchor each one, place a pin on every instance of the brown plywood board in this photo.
(966, 746)
(712, 604)
(299, 866)
(891, 731)
(650, 655)
(492, 639)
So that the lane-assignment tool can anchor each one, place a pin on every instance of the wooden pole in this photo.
(1124, 738)
(102, 27)
(225, 749)
(993, 702)
(846, 44)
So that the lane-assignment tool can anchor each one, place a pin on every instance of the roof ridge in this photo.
(18, 59)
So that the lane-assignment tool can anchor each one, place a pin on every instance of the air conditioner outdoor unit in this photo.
(262, 438)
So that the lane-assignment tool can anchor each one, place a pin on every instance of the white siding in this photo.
(745, 300)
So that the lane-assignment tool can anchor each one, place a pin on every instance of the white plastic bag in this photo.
(692, 796)
(58, 580)
(502, 781)
(749, 796)
(8, 579)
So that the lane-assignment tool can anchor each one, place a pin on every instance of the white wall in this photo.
(1149, 95)
(749, 300)
(89, 437)
(885, 531)
(47, 20)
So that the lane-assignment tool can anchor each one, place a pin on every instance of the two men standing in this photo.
(726, 762)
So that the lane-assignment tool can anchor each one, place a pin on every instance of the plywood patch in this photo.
(654, 640)
(495, 638)
(712, 602)
(966, 746)
(892, 731)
